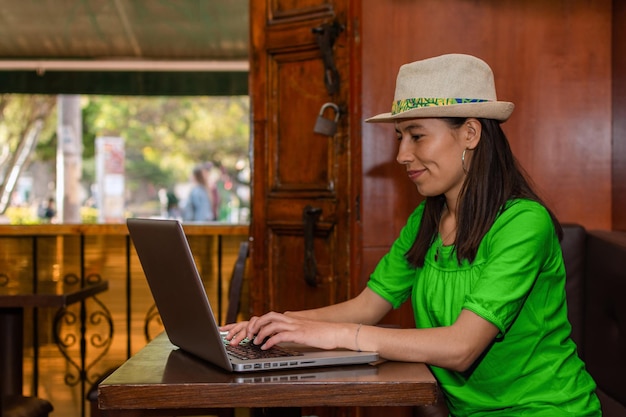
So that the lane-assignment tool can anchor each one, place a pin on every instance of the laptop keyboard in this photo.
(251, 351)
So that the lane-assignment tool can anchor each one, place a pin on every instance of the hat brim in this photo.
(497, 110)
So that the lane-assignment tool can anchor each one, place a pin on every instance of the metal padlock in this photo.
(324, 126)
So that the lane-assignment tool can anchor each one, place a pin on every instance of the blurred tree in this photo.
(24, 120)
(166, 136)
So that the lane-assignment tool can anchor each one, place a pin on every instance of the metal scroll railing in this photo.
(67, 350)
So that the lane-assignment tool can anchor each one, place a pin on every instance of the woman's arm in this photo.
(453, 347)
(367, 308)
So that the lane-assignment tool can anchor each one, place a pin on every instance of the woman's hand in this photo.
(273, 328)
(235, 332)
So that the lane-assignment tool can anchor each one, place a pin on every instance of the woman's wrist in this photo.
(356, 337)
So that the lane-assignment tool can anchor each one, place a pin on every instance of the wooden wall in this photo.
(551, 58)
(619, 115)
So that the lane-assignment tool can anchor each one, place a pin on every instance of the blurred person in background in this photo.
(199, 207)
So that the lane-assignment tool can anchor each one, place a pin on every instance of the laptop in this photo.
(188, 318)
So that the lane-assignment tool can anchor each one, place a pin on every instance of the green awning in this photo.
(126, 83)
(87, 33)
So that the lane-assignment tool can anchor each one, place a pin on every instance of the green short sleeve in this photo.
(520, 246)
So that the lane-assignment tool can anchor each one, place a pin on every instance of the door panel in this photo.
(291, 290)
(302, 161)
(294, 167)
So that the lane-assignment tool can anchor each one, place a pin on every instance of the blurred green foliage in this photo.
(165, 137)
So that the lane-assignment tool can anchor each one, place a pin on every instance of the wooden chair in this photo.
(236, 284)
(14, 405)
(234, 303)
(20, 406)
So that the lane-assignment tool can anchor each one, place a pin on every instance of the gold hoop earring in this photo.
(463, 161)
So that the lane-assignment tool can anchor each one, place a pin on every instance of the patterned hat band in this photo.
(402, 106)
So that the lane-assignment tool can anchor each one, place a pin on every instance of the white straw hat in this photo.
(453, 85)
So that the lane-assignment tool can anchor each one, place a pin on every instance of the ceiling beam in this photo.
(41, 66)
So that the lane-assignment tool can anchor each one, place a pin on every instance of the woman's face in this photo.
(431, 151)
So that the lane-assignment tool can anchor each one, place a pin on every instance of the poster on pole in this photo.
(110, 179)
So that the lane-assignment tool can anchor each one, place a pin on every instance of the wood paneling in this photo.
(552, 59)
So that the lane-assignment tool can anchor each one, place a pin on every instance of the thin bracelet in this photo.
(356, 337)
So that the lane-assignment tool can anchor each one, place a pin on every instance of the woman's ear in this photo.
(473, 130)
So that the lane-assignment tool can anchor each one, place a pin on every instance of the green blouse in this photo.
(516, 282)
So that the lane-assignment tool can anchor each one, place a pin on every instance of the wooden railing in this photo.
(118, 322)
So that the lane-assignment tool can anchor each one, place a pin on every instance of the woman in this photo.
(480, 260)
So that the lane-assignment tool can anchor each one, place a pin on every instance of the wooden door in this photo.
(297, 171)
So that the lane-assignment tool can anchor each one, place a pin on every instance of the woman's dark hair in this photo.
(493, 178)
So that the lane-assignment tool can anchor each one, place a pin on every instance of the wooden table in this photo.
(162, 380)
(13, 300)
